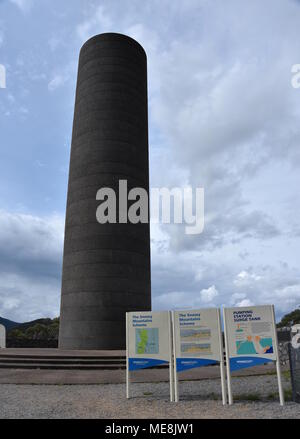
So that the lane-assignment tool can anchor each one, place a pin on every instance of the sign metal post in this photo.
(127, 360)
(222, 371)
(174, 359)
(278, 369)
(171, 358)
(229, 388)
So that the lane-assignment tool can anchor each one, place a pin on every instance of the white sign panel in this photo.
(148, 343)
(197, 342)
(250, 333)
(2, 336)
(148, 339)
(196, 338)
(250, 340)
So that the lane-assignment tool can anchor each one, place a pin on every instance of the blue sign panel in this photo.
(191, 363)
(143, 363)
(237, 363)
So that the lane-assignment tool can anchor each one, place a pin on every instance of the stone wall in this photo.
(283, 353)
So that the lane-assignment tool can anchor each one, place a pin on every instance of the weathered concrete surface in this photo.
(106, 267)
(61, 352)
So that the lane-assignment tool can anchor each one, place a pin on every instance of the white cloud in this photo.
(30, 265)
(23, 110)
(98, 23)
(290, 290)
(223, 123)
(209, 294)
(244, 302)
(25, 299)
(26, 236)
(173, 300)
(245, 278)
(57, 82)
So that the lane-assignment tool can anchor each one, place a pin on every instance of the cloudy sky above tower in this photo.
(223, 115)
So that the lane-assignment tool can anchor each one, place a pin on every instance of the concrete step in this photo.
(43, 359)
(19, 361)
(64, 366)
(56, 359)
(84, 361)
(63, 357)
(51, 366)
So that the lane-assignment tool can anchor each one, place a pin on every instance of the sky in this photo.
(223, 115)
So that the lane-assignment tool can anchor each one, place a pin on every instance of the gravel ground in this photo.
(199, 399)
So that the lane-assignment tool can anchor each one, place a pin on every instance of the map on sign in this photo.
(195, 348)
(146, 341)
(191, 338)
(195, 333)
(253, 338)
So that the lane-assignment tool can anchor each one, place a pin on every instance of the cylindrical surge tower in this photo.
(106, 267)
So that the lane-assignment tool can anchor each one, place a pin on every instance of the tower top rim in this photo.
(113, 36)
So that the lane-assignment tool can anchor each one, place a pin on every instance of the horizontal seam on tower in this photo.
(110, 173)
(121, 292)
(110, 249)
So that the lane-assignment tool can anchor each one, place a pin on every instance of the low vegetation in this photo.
(42, 329)
(290, 319)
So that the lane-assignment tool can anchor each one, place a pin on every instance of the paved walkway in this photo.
(255, 397)
(36, 376)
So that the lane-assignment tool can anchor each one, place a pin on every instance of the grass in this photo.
(148, 393)
(272, 396)
(288, 394)
(270, 372)
(275, 395)
(213, 396)
(248, 397)
(286, 374)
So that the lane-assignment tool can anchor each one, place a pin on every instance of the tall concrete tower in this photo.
(106, 267)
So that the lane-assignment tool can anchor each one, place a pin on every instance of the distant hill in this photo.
(26, 325)
(40, 329)
(290, 319)
(9, 324)
(39, 333)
